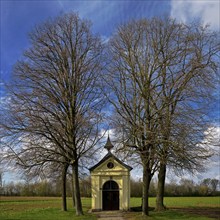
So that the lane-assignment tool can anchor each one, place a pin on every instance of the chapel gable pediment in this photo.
(110, 162)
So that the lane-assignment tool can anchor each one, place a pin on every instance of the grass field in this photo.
(49, 208)
(40, 208)
(190, 208)
(180, 202)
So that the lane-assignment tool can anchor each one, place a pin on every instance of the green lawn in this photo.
(44, 208)
(190, 208)
(40, 208)
(180, 202)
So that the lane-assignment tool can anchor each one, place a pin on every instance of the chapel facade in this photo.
(110, 179)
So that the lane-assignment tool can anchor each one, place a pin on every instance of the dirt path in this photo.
(110, 215)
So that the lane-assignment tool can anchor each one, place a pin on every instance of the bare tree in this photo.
(158, 72)
(1, 183)
(188, 70)
(132, 80)
(54, 114)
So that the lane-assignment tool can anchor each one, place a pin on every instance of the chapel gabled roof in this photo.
(109, 146)
(106, 157)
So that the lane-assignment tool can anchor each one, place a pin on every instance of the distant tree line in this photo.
(44, 188)
(185, 187)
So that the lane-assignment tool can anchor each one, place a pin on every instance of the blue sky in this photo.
(18, 17)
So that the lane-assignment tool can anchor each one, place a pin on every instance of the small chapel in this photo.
(110, 179)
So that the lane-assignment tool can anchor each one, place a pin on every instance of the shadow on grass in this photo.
(45, 214)
(139, 209)
(136, 214)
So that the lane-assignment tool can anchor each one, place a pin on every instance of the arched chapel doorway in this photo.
(110, 196)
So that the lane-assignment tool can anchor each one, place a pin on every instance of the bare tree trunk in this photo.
(78, 203)
(160, 187)
(64, 171)
(146, 186)
(73, 194)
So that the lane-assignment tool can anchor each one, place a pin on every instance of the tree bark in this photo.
(64, 171)
(78, 203)
(73, 194)
(160, 188)
(146, 186)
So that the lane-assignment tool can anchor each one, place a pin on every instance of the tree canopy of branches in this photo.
(160, 76)
(160, 73)
(54, 113)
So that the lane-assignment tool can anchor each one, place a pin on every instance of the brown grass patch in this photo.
(207, 212)
(20, 204)
(25, 198)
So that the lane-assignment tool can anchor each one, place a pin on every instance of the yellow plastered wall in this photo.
(102, 174)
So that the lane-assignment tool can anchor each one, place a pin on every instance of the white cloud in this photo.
(5, 100)
(213, 163)
(211, 142)
(208, 12)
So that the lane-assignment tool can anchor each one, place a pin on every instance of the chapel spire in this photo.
(108, 144)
